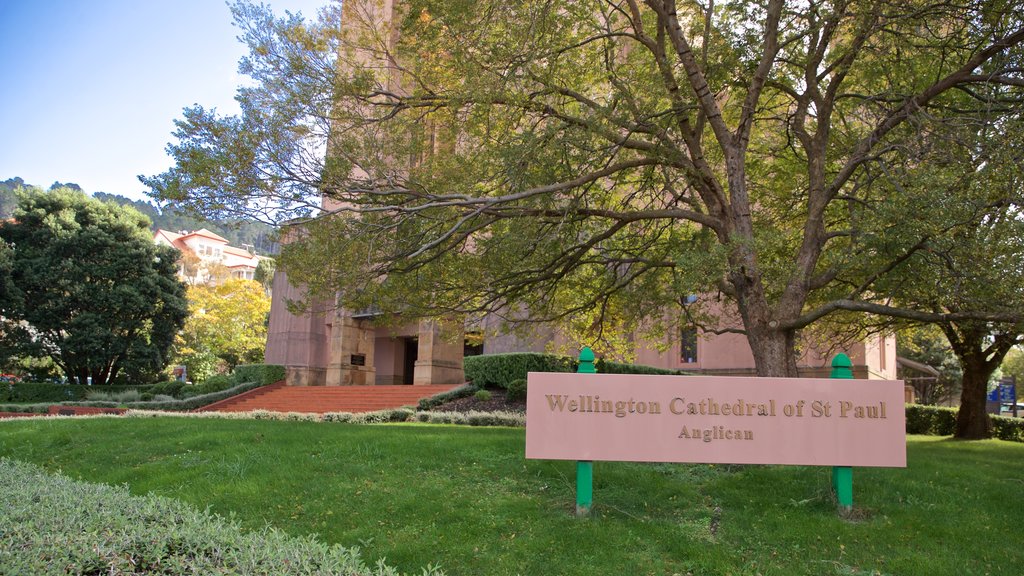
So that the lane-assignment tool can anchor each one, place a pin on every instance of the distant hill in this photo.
(238, 233)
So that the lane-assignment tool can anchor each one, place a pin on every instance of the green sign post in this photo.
(842, 476)
(585, 469)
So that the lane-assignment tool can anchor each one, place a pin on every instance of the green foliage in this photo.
(928, 345)
(483, 395)
(116, 397)
(608, 367)
(930, 420)
(190, 403)
(261, 237)
(453, 394)
(265, 272)
(114, 532)
(46, 392)
(227, 323)
(167, 388)
(1010, 429)
(262, 374)
(732, 150)
(498, 370)
(516, 390)
(89, 288)
(502, 369)
(1013, 365)
(942, 421)
(212, 384)
(701, 519)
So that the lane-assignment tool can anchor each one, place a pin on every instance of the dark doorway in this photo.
(412, 350)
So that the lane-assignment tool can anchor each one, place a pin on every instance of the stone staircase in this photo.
(319, 399)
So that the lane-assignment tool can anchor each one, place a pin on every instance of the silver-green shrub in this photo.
(53, 525)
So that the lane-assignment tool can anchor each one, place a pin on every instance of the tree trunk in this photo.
(774, 351)
(972, 421)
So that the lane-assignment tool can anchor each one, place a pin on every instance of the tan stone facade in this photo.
(336, 347)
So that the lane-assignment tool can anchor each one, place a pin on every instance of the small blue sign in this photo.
(1004, 392)
(1007, 393)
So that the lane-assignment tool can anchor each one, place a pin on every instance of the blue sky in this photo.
(92, 87)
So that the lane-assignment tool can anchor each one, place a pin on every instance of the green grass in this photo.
(465, 498)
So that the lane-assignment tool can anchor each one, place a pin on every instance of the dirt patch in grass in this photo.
(498, 402)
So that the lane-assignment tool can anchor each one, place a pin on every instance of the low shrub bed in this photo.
(55, 525)
(453, 394)
(394, 415)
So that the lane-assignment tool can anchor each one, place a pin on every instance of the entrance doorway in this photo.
(412, 350)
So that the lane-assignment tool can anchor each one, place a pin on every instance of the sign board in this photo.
(712, 419)
(1005, 392)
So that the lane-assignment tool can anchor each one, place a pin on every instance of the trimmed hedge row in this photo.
(262, 373)
(608, 367)
(172, 405)
(490, 370)
(47, 392)
(941, 421)
(500, 370)
(54, 525)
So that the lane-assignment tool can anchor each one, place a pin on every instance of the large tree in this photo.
(227, 323)
(548, 160)
(88, 287)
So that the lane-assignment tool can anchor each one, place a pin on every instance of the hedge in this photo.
(172, 405)
(262, 373)
(55, 525)
(500, 369)
(47, 392)
(941, 421)
(608, 367)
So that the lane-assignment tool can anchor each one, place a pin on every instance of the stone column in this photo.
(351, 351)
(439, 355)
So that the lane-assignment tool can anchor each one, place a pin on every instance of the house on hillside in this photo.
(207, 258)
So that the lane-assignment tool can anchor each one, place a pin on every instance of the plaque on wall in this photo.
(358, 360)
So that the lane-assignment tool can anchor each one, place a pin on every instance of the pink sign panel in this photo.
(713, 419)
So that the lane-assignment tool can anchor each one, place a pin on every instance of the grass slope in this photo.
(466, 499)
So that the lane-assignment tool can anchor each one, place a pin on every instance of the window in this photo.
(688, 345)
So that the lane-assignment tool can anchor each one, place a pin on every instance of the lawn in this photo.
(465, 498)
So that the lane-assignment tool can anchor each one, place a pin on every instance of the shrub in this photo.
(1006, 428)
(453, 394)
(130, 395)
(516, 390)
(608, 367)
(47, 392)
(212, 384)
(499, 370)
(482, 395)
(114, 532)
(262, 373)
(168, 388)
(930, 420)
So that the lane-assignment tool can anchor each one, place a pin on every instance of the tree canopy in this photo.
(227, 323)
(594, 159)
(88, 288)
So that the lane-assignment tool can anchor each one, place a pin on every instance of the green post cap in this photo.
(841, 366)
(586, 362)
